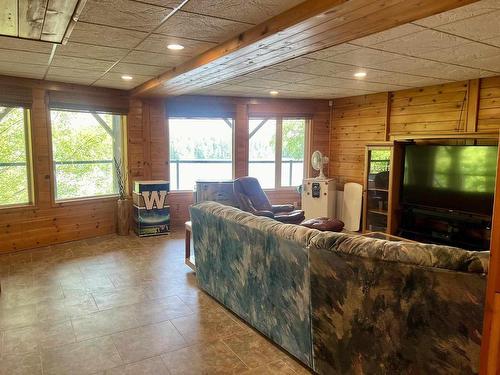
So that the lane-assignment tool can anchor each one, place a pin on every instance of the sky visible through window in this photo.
(200, 149)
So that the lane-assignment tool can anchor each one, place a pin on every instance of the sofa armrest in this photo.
(282, 208)
(264, 213)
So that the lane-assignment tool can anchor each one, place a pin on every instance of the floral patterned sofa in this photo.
(344, 304)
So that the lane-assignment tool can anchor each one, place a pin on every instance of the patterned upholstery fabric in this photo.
(257, 267)
(372, 306)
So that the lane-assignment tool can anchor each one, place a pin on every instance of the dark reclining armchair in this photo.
(252, 198)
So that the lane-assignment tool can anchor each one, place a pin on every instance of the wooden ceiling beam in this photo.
(309, 27)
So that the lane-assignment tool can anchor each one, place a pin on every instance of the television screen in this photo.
(460, 178)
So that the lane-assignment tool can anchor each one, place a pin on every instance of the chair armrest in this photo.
(282, 208)
(246, 205)
(264, 213)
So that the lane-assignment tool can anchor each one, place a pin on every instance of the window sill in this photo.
(83, 200)
(17, 207)
(284, 188)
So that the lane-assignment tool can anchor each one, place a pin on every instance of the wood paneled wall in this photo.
(447, 110)
(355, 122)
(241, 109)
(46, 222)
(489, 105)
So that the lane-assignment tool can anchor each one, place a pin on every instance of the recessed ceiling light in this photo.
(274, 92)
(360, 74)
(175, 47)
(127, 77)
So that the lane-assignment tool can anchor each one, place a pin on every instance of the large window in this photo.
(84, 145)
(276, 151)
(200, 149)
(15, 170)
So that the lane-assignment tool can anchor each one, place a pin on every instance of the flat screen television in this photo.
(458, 178)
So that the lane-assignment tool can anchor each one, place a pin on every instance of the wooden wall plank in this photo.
(472, 105)
(489, 105)
(356, 122)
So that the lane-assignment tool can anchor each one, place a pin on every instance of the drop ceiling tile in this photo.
(346, 83)
(18, 69)
(254, 11)
(79, 80)
(332, 51)
(105, 36)
(263, 83)
(395, 32)
(321, 68)
(158, 43)
(137, 69)
(238, 80)
(292, 63)
(355, 84)
(68, 72)
(479, 28)
(124, 14)
(408, 80)
(113, 80)
(199, 27)
(491, 63)
(74, 49)
(261, 72)
(288, 76)
(81, 63)
(155, 59)
(25, 45)
(24, 57)
(469, 54)
(415, 66)
(164, 3)
(493, 41)
(386, 77)
(365, 57)
(467, 11)
(421, 42)
(299, 87)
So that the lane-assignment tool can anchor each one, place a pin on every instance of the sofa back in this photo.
(384, 307)
(258, 268)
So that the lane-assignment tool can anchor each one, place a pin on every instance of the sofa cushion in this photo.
(324, 224)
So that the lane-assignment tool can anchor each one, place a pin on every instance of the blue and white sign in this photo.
(151, 210)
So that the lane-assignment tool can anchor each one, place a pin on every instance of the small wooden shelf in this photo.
(376, 189)
(379, 212)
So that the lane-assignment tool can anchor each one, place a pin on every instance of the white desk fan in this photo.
(318, 193)
(318, 161)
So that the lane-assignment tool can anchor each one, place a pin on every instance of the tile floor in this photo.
(121, 305)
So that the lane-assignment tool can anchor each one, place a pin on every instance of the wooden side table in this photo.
(188, 260)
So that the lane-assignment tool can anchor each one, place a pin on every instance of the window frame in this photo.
(278, 157)
(123, 155)
(233, 144)
(30, 172)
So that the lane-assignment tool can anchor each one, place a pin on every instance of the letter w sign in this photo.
(152, 199)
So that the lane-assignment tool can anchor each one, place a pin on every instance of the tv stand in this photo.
(447, 227)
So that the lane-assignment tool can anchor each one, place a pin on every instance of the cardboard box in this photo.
(151, 210)
(151, 222)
